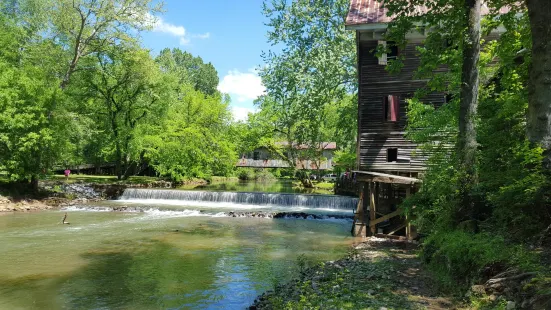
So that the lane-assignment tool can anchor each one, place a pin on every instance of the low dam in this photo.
(248, 200)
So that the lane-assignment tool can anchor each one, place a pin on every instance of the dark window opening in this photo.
(393, 51)
(449, 98)
(391, 108)
(391, 155)
(256, 155)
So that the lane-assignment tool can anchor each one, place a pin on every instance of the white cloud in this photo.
(242, 86)
(160, 25)
(202, 36)
(240, 113)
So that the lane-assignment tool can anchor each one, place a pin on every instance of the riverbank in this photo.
(377, 274)
(387, 274)
(54, 196)
(55, 191)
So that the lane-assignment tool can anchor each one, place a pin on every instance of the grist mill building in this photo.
(388, 165)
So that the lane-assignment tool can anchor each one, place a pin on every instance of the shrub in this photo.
(245, 174)
(249, 174)
(457, 257)
(264, 175)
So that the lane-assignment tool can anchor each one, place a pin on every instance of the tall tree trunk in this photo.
(118, 161)
(539, 83)
(34, 183)
(466, 144)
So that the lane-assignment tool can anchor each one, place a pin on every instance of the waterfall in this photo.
(248, 198)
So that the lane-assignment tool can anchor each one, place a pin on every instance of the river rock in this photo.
(478, 289)
(511, 305)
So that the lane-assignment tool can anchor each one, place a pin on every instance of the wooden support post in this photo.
(372, 206)
(359, 227)
(408, 224)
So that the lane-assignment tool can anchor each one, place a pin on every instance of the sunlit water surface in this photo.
(154, 260)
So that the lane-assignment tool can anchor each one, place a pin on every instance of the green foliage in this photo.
(76, 88)
(310, 82)
(457, 257)
(256, 132)
(123, 90)
(245, 174)
(193, 139)
(511, 195)
(189, 70)
(32, 126)
(345, 160)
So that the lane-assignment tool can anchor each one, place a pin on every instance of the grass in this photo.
(320, 187)
(216, 179)
(324, 185)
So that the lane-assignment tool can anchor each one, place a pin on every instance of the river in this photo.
(171, 254)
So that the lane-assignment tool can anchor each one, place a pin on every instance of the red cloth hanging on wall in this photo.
(394, 103)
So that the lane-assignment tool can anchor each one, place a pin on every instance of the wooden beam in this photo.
(386, 217)
(395, 230)
(385, 178)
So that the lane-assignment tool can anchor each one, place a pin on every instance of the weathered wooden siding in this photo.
(375, 134)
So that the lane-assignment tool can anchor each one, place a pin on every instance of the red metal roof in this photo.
(373, 11)
(366, 12)
(324, 145)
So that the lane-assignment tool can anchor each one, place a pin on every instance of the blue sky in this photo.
(229, 34)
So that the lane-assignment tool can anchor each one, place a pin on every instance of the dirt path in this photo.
(378, 274)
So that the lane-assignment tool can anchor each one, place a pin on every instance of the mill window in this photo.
(391, 155)
(392, 52)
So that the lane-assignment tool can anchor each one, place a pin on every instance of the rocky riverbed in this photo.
(54, 195)
(377, 274)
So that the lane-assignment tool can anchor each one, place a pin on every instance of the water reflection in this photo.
(133, 261)
(157, 276)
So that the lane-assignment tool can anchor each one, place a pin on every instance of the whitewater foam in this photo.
(237, 200)
(148, 213)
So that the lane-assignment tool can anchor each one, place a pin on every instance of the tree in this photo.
(190, 70)
(193, 139)
(29, 142)
(539, 87)
(453, 40)
(85, 27)
(468, 101)
(257, 131)
(125, 89)
(314, 70)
